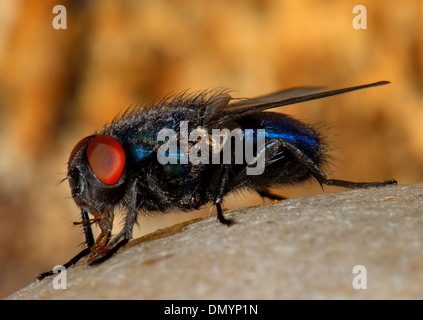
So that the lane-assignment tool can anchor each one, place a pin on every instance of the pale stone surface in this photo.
(303, 248)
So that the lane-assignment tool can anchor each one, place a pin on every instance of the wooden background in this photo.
(57, 86)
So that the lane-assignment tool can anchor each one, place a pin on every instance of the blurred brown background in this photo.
(57, 86)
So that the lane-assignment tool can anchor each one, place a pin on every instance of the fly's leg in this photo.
(86, 225)
(220, 215)
(219, 196)
(321, 177)
(105, 223)
(89, 240)
(123, 237)
(223, 183)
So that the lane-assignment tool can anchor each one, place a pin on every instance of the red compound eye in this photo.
(106, 158)
(76, 149)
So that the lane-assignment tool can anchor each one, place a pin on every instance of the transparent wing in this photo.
(224, 111)
(276, 96)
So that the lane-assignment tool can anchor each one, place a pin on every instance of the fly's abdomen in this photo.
(281, 166)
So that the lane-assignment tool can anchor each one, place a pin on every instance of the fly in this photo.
(189, 150)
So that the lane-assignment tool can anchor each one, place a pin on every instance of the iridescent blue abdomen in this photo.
(283, 167)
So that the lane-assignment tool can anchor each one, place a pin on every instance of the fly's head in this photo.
(97, 172)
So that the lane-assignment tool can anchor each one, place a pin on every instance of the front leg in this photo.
(89, 240)
(105, 223)
(126, 234)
